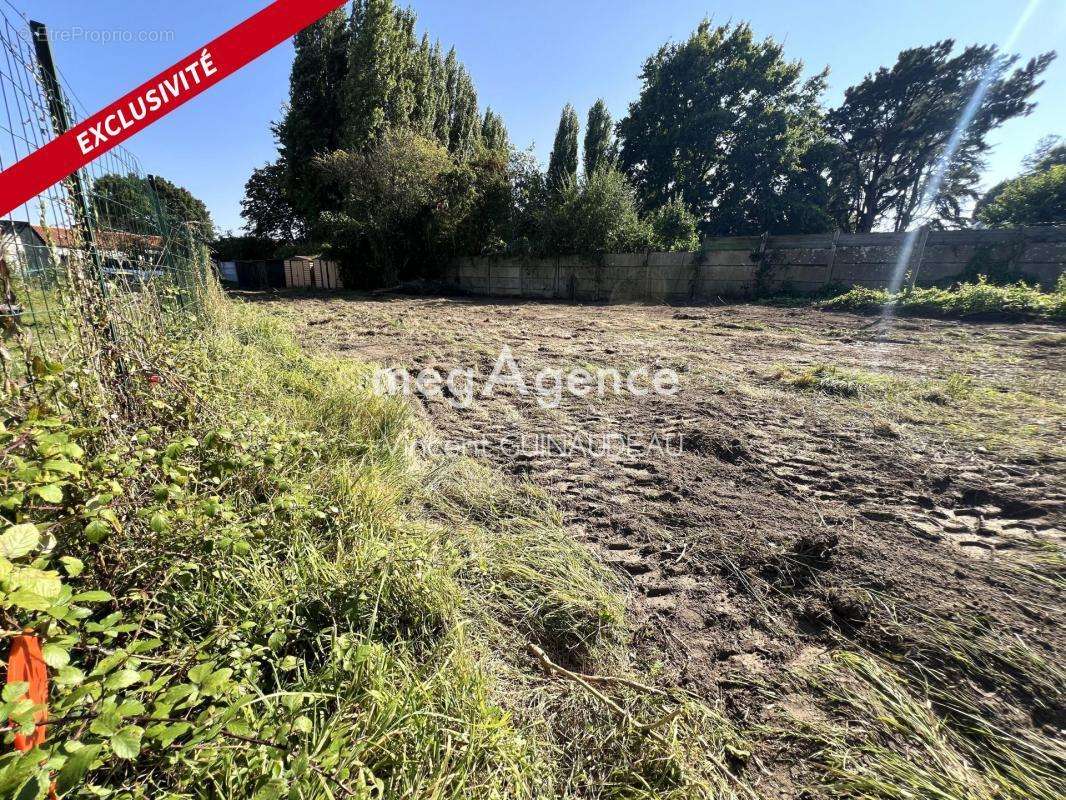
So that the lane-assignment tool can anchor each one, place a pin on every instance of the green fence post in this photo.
(83, 211)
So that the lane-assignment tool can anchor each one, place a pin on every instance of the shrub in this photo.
(407, 205)
(675, 228)
(1038, 199)
(964, 299)
(598, 214)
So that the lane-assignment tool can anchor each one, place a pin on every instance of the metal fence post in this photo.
(61, 124)
(164, 229)
(83, 210)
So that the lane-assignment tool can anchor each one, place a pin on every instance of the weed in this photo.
(965, 299)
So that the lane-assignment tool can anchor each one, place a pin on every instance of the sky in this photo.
(527, 59)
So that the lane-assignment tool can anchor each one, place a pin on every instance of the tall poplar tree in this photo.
(494, 132)
(562, 166)
(599, 139)
(373, 91)
(311, 125)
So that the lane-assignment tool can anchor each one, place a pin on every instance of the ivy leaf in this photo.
(52, 493)
(127, 742)
(70, 777)
(19, 540)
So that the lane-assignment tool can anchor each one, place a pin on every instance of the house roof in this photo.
(109, 240)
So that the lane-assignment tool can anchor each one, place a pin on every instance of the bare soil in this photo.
(758, 519)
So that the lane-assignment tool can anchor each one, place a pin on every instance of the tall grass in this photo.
(366, 612)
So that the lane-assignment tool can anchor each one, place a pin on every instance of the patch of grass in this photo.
(1006, 419)
(966, 299)
(896, 746)
(832, 380)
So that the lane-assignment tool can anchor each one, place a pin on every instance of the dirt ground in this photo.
(762, 512)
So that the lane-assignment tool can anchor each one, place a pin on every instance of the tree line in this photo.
(386, 161)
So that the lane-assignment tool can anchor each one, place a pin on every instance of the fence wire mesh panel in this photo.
(101, 265)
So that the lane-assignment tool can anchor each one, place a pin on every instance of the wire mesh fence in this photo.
(101, 265)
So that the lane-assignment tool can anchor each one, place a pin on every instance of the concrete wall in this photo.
(739, 267)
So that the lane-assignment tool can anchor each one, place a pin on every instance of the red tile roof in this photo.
(109, 240)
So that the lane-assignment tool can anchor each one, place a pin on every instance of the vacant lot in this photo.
(820, 481)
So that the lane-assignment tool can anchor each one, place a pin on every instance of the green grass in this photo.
(364, 614)
(967, 299)
(898, 742)
(833, 380)
(1010, 420)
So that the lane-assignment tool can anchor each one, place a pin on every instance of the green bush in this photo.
(962, 300)
(1037, 199)
(675, 228)
(597, 214)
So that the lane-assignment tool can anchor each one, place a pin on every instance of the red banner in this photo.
(152, 101)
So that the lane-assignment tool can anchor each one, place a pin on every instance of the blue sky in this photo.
(527, 59)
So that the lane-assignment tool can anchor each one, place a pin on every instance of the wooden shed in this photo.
(308, 272)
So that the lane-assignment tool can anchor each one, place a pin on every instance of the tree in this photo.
(727, 124)
(1050, 151)
(376, 90)
(357, 78)
(390, 194)
(597, 214)
(562, 165)
(1034, 199)
(494, 132)
(181, 206)
(266, 208)
(126, 203)
(599, 139)
(312, 123)
(528, 201)
(230, 247)
(893, 128)
(408, 205)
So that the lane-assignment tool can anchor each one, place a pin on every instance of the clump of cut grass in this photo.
(965, 299)
(833, 380)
